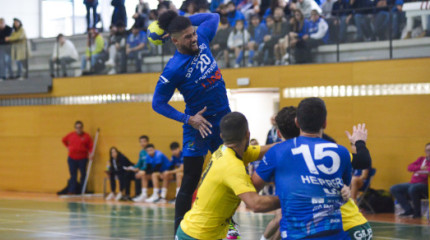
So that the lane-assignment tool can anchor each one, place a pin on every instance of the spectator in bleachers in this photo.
(137, 46)
(91, 4)
(153, 16)
(362, 10)
(381, 20)
(326, 9)
(141, 15)
(273, 5)
(416, 189)
(281, 29)
(219, 42)
(264, 4)
(248, 7)
(164, 5)
(64, 53)
(215, 5)
(317, 35)
(116, 49)
(398, 17)
(342, 17)
(278, 29)
(257, 31)
(237, 41)
(117, 162)
(119, 13)
(20, 51)
(5, 60)
(360, 179)
(306, 6)
(95, 46)
(233, 15)
(190, 9)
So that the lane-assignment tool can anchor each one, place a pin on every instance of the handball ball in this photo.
(155, 34)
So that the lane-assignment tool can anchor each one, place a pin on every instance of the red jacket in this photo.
(416, 166)
(79, 145)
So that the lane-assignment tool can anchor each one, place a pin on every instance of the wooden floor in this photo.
(46, 216)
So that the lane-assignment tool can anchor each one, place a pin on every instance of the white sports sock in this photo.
(263, 238)
(177, 190)
(163, 192)
(155, 192)
(144, 190)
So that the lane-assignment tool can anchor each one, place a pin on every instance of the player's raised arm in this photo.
(160, 102)
(207, 23)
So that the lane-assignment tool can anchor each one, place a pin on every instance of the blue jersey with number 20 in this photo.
(309, 175)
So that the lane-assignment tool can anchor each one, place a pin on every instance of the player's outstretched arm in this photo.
(258, 182)
(259, 203)
(207, 23)
(264, 149)
(358, 138)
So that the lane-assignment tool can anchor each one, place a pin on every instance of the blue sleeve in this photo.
(163, 92)
(304, 30)
(207, 23)
(347, 175)
(266, 169)
(143, 38)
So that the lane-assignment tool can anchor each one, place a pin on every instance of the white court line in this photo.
(59, 233)
(405, 224)
(83, 214)
(390, 238)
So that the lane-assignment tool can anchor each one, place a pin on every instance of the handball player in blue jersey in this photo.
(309, 175)
(194, 72)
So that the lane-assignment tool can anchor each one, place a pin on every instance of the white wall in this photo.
(258, 105)
(25, 10)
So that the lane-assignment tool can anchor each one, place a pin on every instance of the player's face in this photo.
(187, 41)
(150, 151)
(176, 152)
(143, 142)
(79, 129)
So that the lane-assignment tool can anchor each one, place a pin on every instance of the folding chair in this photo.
(364, 190)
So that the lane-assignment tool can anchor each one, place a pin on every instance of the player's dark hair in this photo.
(285, 120)
(174, 145)
(311, 114)
(171, 22)
(79, 122)
(116, 149)
(427, 144)
(234, 127)
(150, 146)
(144, 137)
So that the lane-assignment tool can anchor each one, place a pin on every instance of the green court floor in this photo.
(29, 219)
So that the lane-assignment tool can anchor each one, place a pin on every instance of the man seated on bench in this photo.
(176, 171)
(157, 164)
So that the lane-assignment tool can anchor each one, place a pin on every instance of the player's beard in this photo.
(191, 50)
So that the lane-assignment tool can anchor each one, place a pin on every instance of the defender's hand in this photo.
(359, 132)
(345, 192)
(200, 123)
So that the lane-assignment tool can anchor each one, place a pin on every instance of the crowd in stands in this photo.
(13, 50)
(251, 33)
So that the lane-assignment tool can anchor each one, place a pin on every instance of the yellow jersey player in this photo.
(225, 182)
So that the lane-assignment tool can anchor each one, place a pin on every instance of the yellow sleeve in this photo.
(238, 180)
(251, 154)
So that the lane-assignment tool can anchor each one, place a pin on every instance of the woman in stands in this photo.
(20, 51)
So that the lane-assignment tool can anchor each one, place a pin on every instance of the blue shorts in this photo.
(196, 146)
